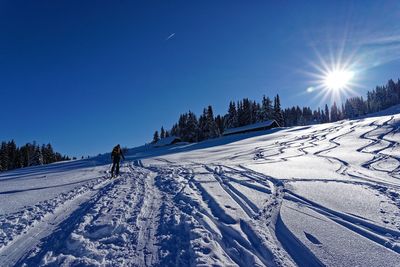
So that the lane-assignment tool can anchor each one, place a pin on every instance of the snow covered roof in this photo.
(167, 141)
(252, 127)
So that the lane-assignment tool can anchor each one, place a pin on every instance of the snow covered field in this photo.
(324, 195)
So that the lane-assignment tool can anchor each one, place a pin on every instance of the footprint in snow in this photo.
(206, 250)
(312, 239)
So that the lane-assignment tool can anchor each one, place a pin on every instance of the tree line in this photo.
(380, 98)
(30, 154)
(244, 112)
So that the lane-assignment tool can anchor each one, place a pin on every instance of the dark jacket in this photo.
(116, 154)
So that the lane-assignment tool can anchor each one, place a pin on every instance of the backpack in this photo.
(116, 152)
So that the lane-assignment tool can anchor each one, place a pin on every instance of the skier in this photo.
(116, 155)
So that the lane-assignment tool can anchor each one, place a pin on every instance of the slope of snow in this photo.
(323, 195)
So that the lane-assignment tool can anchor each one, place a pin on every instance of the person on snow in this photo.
(116, 156)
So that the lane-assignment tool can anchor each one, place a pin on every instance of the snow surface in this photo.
(323, 195)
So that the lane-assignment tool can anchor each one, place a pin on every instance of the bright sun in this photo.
(338, 79)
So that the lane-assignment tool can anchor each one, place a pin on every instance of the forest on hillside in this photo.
(191, 128)
(30, 154)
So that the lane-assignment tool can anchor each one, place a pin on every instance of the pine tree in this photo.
(342, 112)
(317, 116)
(48, 154)
(162, 132)
(192, 128)
(259, 115)
(4, 157)
(45, 154)
(254, 112)
(12, 153)
(211, 127)
(326, 114)
(266, 109)
(334, 113)
(18, 159)
(38, 157)
(391, 94)
(156, 137)
(202, 132)
(349, 111)
(220, 122)
(175, 130)
(182, 124)
(278, 116)
(231, 119)
(244, 112)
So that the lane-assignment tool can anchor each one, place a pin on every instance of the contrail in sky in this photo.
(170, 36)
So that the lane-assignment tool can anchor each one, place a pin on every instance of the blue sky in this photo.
(85, 75)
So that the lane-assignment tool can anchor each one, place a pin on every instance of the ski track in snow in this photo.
(255, 202)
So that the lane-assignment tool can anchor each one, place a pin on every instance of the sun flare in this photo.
(335, 79)
(338, 79)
